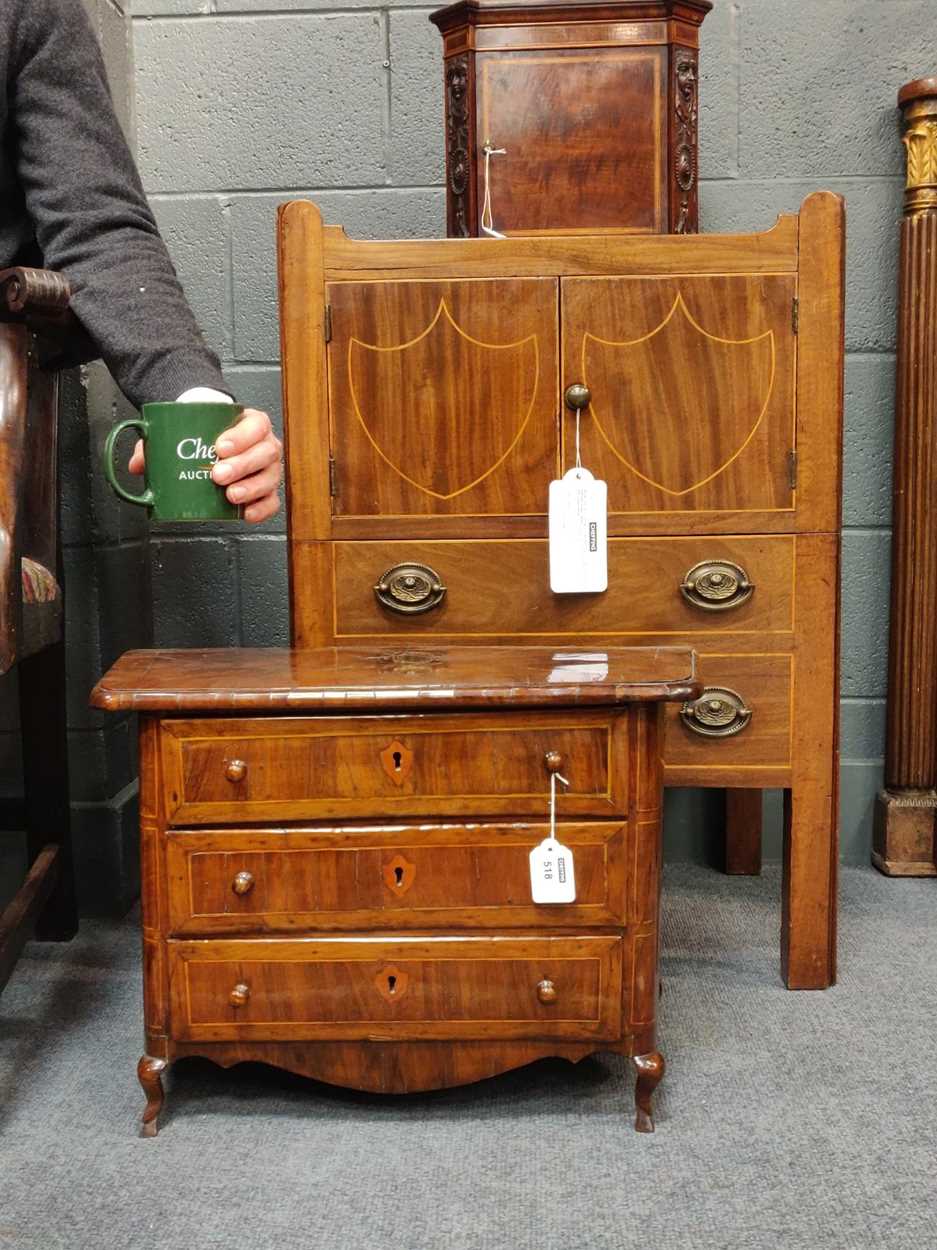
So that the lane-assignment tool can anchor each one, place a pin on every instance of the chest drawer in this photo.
(715, 585)
(431, 989)
(740, 727)
(228, 771)
(465, 876)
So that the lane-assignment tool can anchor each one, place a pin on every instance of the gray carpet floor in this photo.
(785, 1120)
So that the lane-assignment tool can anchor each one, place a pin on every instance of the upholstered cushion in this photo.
(42, 609)
(39, 585)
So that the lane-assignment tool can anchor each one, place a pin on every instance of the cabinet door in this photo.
(692, 391)
(443, 397)
(583, 134)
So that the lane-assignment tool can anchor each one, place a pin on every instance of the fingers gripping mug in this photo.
(179, 443)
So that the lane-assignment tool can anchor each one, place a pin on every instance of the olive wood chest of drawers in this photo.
(335, 858)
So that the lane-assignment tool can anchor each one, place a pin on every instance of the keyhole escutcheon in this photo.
(397, 761)
(398, 874)
(391, 983)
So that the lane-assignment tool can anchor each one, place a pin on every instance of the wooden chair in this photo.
(38, 335)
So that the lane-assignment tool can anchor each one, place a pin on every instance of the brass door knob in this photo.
(235, 770)
(717, 713)
(716, 585)
(239, 995)
(554, 761)
(243, 883)
(546, 992)
(410, 588)
(578, 397)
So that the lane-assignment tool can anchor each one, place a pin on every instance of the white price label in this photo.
(552, 876)
(578, 534)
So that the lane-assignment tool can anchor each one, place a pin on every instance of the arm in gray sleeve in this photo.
(89, 212)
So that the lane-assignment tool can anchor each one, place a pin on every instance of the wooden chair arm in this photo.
(40, 299)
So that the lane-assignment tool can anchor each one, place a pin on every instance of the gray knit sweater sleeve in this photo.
(88, 209)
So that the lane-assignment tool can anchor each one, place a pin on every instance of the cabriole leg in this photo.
(149, 1072)
(650, 1071)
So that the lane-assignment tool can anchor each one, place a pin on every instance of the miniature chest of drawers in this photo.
(335, 858)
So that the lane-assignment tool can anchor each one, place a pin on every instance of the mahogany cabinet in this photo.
(424, 396)
(335, 858)
(592, 107)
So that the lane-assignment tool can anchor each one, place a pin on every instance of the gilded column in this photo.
(906, 811)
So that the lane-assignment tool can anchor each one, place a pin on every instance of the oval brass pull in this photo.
(410, 588)
(716, 585)
(239, 995)
(235, 770)
(243, 883)
(554, 761)
(546, 992)
(717, 713)
(578, 397)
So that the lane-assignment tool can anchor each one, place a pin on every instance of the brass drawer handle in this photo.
(717, 713)
(410, 588)
(716, 585)
(239, 995)
(235, 770)
(243, 883)
(546, 992)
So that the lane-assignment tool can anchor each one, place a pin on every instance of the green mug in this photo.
(179, 442)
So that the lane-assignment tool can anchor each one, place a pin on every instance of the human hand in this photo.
(249, 465)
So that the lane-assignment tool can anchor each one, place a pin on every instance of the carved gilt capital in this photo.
(918, 102)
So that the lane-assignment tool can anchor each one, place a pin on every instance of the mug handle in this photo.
(145, 500)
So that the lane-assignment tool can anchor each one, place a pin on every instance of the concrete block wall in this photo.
(107, 601)
(244, 103)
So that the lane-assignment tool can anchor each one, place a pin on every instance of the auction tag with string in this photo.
(578, 533)
(552, 877)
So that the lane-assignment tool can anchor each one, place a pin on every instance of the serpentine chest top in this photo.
(336, 858)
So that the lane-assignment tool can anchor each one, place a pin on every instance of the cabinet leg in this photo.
(743, 833)
(650, 1071)
(808, 904)
(149, 1073)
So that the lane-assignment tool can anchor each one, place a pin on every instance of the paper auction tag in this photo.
(578, 533)
(552, 877)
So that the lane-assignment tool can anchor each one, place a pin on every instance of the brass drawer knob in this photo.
(717, 713)
(235, 770)
(243, 883)
(578, 397)
(716, 585)
(554, 761)
(546, 992)
(239, 995)
(410, 588)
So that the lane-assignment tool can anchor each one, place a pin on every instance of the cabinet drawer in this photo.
(501, 588)
(475, 876)
(230, 771)
(428, 988)
(702, 749)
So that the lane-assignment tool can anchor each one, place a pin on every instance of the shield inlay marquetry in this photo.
(687, 370)
(443, 396)
(477, 398)
(692, 389)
